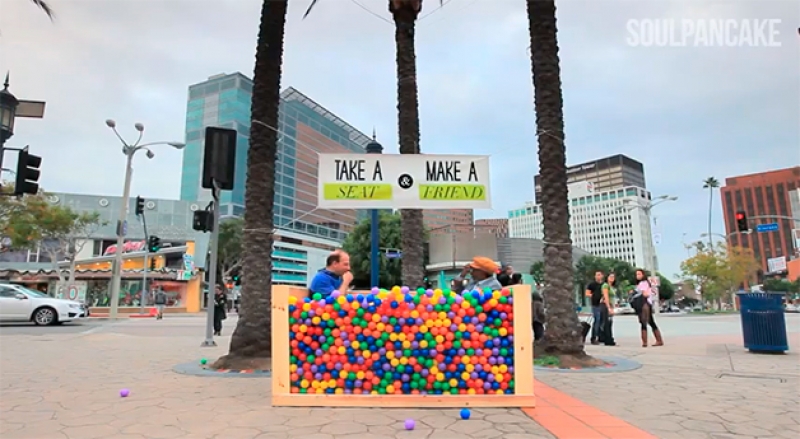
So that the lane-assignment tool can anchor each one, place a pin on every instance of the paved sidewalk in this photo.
(66, 385)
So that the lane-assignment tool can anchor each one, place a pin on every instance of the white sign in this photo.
(403, 181)
(775, 265)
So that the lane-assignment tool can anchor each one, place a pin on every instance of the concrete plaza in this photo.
(65, 383)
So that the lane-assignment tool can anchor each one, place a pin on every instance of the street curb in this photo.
(618, 364)
(196, 369)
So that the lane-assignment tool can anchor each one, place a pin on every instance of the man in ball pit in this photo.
(482, 273)
(336, 275)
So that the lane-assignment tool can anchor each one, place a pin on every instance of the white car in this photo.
(20, 304)
(623, 308)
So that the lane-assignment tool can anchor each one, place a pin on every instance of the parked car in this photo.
(792, 308)
(624, 308)
(20, 304)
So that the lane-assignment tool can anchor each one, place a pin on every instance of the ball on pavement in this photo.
(203, 361)
(410, 424)
(465, 413)
(124, 393)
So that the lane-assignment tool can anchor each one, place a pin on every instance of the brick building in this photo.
(772, 193)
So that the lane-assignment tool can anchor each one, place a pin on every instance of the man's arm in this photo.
(347, 279)
(588, 291)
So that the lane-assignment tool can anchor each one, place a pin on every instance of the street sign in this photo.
(771, 227)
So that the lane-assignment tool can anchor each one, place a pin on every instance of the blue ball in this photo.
(465, 413)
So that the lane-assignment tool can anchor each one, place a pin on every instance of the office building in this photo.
(496, 226)
(762, 197)
(305, 130)
(222, 101)
(608, 173)
(612, 223)
(436, 220)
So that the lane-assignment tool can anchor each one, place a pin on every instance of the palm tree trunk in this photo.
(251, 342)
(563, 334)
(710, 206)
(405, 15)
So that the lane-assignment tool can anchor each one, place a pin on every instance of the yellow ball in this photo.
(342, 374)
(499, 392)
(390, 354)
(355, 344)
(453, 382)
(503, 368)
(360, 375)
(406, 344)
(340, 391)
(376, 318)
(470, 367)
(366, 354)
(503, 332)
(303, 329)
(292, 300)
(465, 376)
(403, 360)
(355, 305)
(498, 378)
(423, 344)
(439, 376)
(390, 389)
(437, 292)
(342, 350)
(439, 339)
(380, 327)
(394, 362)
(304, 384)
(315, 320)
(462, 327)
(465, 359)
(414, 314)
(465, 304)
(470, 391)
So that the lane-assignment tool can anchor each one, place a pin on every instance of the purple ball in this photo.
(492, 360)
(433, 353)
(429, 293)
(301, 371)
(318, 376)
(358, 384)
(475, 321)
(420, 322)
(479, 367)
(429, 308)
(337, 366)
(503, 316)
(347, 343)
(323, 302)
(124, 393)
(382, 351)
(360, 360)
(401, 321)
(461, 352)
(313, 368)
(318, 352)
(404, 290)
(409, 424)
(423, 392)
(490, 378)
(510, 300)
(386, 366)
(510, 369)
(459, 299)
(442, 366)
(375, 290)
(474, 375)
(510, 338)
(495, 352)
(501, 360)
(344, 335)
(404, 378)
(322, 338)
(311, 313)
(479, 327)
(336, 293)
(414, 345)
(442, 300)
(411, 306)
(453, 327)
(348, 391)
(384, 319)
(487, 385)
(424, 373)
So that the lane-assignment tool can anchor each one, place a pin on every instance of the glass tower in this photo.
(305, 130)
(221, 101)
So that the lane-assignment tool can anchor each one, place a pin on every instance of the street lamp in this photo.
(129, 150)
(374, 148)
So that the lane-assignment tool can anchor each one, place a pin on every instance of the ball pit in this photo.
(401, 344)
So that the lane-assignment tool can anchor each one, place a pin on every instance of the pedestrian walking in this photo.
(160, 300)
(537, 311)
(643, 301)
(220, 303)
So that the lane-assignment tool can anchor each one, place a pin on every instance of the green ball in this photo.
(317, 296)
(203, 361)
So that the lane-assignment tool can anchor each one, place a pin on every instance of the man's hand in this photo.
(347, 278)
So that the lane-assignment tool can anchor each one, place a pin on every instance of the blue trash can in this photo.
(763, 322)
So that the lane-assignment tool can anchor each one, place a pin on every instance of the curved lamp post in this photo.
(129, 149)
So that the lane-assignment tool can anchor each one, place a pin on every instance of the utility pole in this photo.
(374, 148)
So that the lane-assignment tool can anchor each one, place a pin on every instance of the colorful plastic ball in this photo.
(124, 393)
(465, 414)
(410, 424)
(203, 361)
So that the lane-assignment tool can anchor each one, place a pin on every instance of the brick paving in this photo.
(57, 385)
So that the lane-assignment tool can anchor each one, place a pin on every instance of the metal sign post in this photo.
(212, 271)
(145, 291)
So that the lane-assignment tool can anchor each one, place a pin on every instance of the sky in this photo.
(687, 111)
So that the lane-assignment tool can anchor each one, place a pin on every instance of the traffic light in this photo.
(203, 221)
(153, 244)
(139, 206)
(236, 276)
(741, 221)
(27, 173)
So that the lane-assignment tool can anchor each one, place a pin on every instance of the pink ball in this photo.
(124, 393)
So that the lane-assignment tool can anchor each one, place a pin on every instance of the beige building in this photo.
(436, 220)
(496, 226)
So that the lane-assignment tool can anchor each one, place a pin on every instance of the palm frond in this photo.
(310, 7)
(45, 7)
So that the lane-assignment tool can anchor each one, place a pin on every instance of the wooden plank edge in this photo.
(404, 401)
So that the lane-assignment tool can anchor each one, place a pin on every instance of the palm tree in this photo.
(710, 183)
(251, 342)
(405, 14)
(563, 336)
(44, 7)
